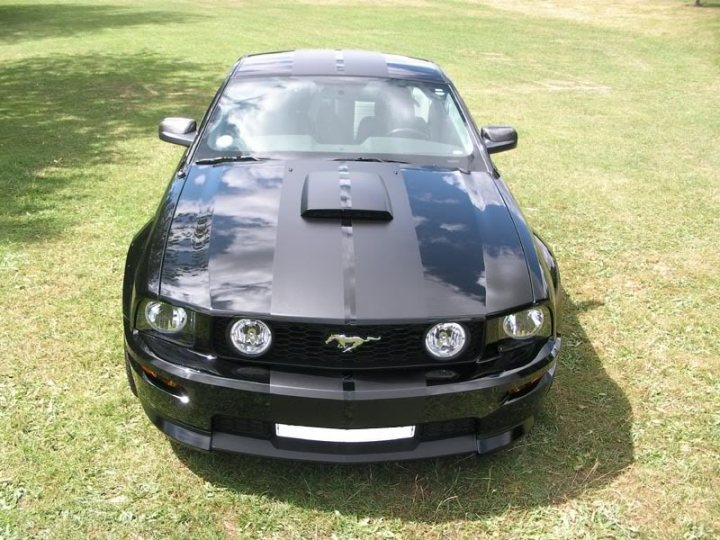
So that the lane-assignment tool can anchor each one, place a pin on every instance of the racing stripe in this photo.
(389, 274)
(308, 277)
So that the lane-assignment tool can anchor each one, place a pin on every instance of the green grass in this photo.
(617, 106)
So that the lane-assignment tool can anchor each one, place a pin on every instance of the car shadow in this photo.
(580, 442)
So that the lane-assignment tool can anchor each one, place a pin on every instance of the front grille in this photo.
(247, 427)
(296, 344)
(433, 431)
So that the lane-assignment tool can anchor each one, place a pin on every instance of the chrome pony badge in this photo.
(349, 343)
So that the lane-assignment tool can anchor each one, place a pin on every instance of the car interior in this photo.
(362, 115)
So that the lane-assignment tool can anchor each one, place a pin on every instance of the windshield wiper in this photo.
(229, 159)
(374, 159)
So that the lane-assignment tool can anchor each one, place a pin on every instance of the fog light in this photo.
(445, 341)
(251, 337)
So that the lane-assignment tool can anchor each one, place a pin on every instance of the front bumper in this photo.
(209, 412)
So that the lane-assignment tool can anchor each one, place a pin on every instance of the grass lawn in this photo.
(617, 103)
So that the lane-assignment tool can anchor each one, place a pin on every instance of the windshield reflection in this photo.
(355, 115)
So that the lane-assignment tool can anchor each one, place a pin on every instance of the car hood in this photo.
(343, 241)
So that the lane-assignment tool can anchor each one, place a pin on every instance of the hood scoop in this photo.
(345, 195)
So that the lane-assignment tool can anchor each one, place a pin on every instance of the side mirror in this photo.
(180, 131)
(499, 138)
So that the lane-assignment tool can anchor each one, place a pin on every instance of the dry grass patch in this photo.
(657, 18)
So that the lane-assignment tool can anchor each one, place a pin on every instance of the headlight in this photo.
(251, 337)
(445, 341)
(165, 318)
(527, 323)
(166, 321)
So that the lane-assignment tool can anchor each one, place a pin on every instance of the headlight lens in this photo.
(527, 323)
(165, 318)
(251, 337)
(445, 341)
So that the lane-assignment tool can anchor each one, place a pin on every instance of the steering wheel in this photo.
(408, 131)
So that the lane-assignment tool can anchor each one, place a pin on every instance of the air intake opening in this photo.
(352, 195)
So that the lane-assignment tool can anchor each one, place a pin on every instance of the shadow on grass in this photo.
(28, 22)
(65, 118)
(581, 441)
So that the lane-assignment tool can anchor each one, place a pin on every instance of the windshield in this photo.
(361, 117)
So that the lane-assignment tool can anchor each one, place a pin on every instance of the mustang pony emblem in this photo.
(349, 343)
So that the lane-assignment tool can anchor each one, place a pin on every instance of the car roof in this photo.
(349, 63)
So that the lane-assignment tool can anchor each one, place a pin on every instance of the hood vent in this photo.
(345, 195)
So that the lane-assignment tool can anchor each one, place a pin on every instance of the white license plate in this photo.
(344, 435)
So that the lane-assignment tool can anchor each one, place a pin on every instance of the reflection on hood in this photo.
(238, 243)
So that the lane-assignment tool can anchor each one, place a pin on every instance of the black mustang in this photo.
(337, 272)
